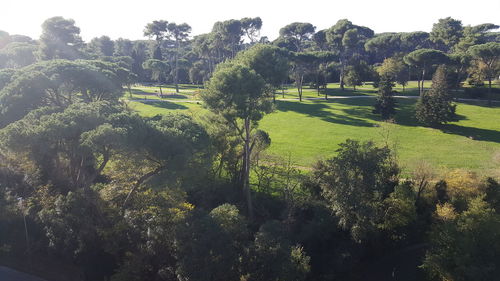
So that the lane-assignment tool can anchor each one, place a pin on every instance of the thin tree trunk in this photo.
(140, 181)
(176, 76)
(246, 166)
(341, 78)
(423, 79)
(489, 91)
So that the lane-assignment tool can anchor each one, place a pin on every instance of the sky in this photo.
(126, 18)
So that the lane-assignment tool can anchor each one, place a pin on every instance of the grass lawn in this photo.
(312, 130)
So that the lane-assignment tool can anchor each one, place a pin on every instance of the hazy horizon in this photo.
(117, 19)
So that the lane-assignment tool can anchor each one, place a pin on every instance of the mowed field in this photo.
(312, 129)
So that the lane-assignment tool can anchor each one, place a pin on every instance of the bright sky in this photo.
(126, 18)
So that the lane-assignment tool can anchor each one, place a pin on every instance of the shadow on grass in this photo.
(165, 105)
(406, 117)
(165, 95)
(181, 86)
(350, 92)
(471, 132)
(323, 112)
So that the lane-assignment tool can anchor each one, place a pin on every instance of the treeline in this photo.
(89, 185)
(345, 53)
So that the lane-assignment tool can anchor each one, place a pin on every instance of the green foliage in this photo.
(357, 73)
(395, 69)
(355, 182)
(447, 32)
(423, 58)
(212, 247)
(465, 246)
(297, 33)
(268, 61)
(435, 107)
(237, 92)
(60, 39)
(158, 69)
(399, 212)
(19, 54)
(274, 258)
(102, 46)
(385, 105)
(59, 83)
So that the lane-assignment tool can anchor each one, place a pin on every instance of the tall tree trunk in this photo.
(246, 171)
(141, 180)
(317, 83)
(176, 75)
(299, 80)
(423, 79)
(341, 78)
(489, 91)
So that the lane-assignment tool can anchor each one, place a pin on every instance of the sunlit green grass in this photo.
(312, 130)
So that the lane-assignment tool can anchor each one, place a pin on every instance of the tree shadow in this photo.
(322, 111)
(405, 116)
(156, 94)
(164, 104)
(349, 92)
(477, 134)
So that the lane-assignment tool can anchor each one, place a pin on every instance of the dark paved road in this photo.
(7, 274)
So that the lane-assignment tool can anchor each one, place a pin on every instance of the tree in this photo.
(446, 33)
(298, 33)
(180, 33)
(60, 39)
(4, 38)
(157, 30)
(158, 70)
(435, 106)
(385, 105)
(357, 73)
(268, 61)
(238, 94)
(489, 56)
(59, 143)
(19, 54)
(211, 246)
(103, 46)
(475, 35)
(384, 45)
(464, 246)
(139, 56)
(226, 38)
(395, 69)
(123, 47)
(274, 257)
(302, 64)
(423, 59)
(347, 39)
(355, 182)
(412, 41)
(59, 83)
(251, 28)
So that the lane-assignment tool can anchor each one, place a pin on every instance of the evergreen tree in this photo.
(435, 107)
(385, 104)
